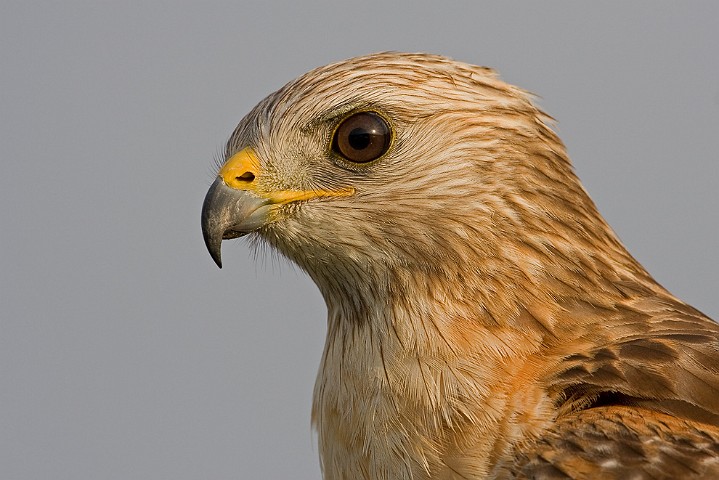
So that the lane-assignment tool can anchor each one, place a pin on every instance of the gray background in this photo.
(126, 354)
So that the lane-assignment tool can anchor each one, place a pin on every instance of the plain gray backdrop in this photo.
(126, 354)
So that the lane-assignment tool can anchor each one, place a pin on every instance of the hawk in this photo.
(484, 321)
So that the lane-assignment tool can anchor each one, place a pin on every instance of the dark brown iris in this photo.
(362, 137)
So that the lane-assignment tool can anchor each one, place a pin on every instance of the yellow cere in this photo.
(240, 171)
(243, 168)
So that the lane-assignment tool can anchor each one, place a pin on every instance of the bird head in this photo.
(368, 171)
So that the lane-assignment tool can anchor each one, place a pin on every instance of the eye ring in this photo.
(362, 137)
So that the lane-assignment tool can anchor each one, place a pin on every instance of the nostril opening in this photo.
(246, 177)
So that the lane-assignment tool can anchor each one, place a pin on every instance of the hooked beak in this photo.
(238, 202)
(230, 213)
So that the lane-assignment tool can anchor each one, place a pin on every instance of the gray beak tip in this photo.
(217, 257)
(214, 245)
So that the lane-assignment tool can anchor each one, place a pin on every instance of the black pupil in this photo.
(359, 138)
(362, 137)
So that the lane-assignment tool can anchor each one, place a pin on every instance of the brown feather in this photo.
(616, 442)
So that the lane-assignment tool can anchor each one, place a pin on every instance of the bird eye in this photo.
(362, 137)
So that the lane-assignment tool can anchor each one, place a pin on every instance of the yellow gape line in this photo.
(242, 172)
